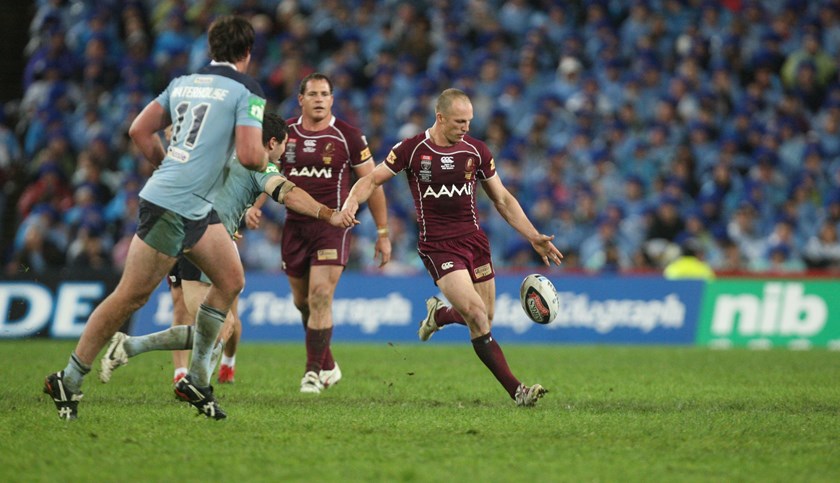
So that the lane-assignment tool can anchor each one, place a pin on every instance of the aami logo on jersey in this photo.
(312, 172)
(447, 163)
(449, 191)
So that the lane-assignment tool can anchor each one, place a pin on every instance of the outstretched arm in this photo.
(379, 211)
(298, 200)
(364, 188)
(510, 209)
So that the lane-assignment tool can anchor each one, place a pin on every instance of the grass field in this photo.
(433, 413)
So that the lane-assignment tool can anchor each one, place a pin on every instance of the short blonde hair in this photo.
(447, 97)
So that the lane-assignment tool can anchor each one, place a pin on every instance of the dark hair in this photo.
(314, 76)
(230, 38)
(274, 127)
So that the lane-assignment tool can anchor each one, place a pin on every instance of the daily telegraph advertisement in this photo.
(639, 310)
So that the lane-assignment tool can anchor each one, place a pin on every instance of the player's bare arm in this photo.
(144, 132)
(510, 209)
(379, 211)
(249, 148)
(364, 188)
(285, 192)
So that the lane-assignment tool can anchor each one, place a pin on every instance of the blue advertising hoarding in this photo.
(626, 310)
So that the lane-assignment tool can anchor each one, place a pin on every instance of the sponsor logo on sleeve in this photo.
(256, 108)
(391, 157)
(365, 153)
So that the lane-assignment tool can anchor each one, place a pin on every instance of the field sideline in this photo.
(419, 412)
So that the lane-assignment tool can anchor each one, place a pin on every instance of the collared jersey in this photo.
(443, 182)
(320, 161)
(205, 108)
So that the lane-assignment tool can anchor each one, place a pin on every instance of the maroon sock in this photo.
(317, 341)
(448, 315)
(491, 355)
(328, 363)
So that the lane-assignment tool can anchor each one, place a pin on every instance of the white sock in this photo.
(229, 361)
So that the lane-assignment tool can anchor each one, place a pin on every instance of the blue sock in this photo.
(75, 373)
(177, 337)
(208, 324)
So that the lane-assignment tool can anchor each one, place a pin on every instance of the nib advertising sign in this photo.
(794, 314)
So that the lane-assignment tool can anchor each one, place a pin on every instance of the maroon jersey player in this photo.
(443, 165)
(322, 154)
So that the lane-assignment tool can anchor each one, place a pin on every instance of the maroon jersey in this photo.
(320, 161)
(443, 183)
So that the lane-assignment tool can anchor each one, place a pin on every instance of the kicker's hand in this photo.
(547, 251)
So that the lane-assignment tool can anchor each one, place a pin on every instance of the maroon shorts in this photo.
(313, 243)
(470, 253)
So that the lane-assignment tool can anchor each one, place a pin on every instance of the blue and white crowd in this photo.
(624, 128)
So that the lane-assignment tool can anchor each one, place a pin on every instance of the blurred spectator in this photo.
(778, 259)
(49, 188)
(89, 250)
(823, 249)
(261, 250)
(604, 250)
(811, 54)
(667, 223)
(690, 264)
(38, 254)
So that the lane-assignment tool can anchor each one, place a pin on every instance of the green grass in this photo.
(434, 413)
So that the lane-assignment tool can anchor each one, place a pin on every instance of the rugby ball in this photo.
(539, 298)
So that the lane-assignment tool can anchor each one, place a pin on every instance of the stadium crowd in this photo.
(625, 128)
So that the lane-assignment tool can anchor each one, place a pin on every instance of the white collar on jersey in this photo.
(213, 62)
(332, 121)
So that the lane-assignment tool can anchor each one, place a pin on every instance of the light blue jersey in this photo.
(239, 191)
(205, 109)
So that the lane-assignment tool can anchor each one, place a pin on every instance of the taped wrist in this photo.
(282, 189)
(324, 213)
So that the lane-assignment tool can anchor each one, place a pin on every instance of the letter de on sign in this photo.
(73, 307)
(38, 302)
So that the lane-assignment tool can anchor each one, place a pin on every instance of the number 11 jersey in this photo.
(205, 108)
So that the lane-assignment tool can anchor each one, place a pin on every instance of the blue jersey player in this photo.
(241, 188)
(211, 112)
